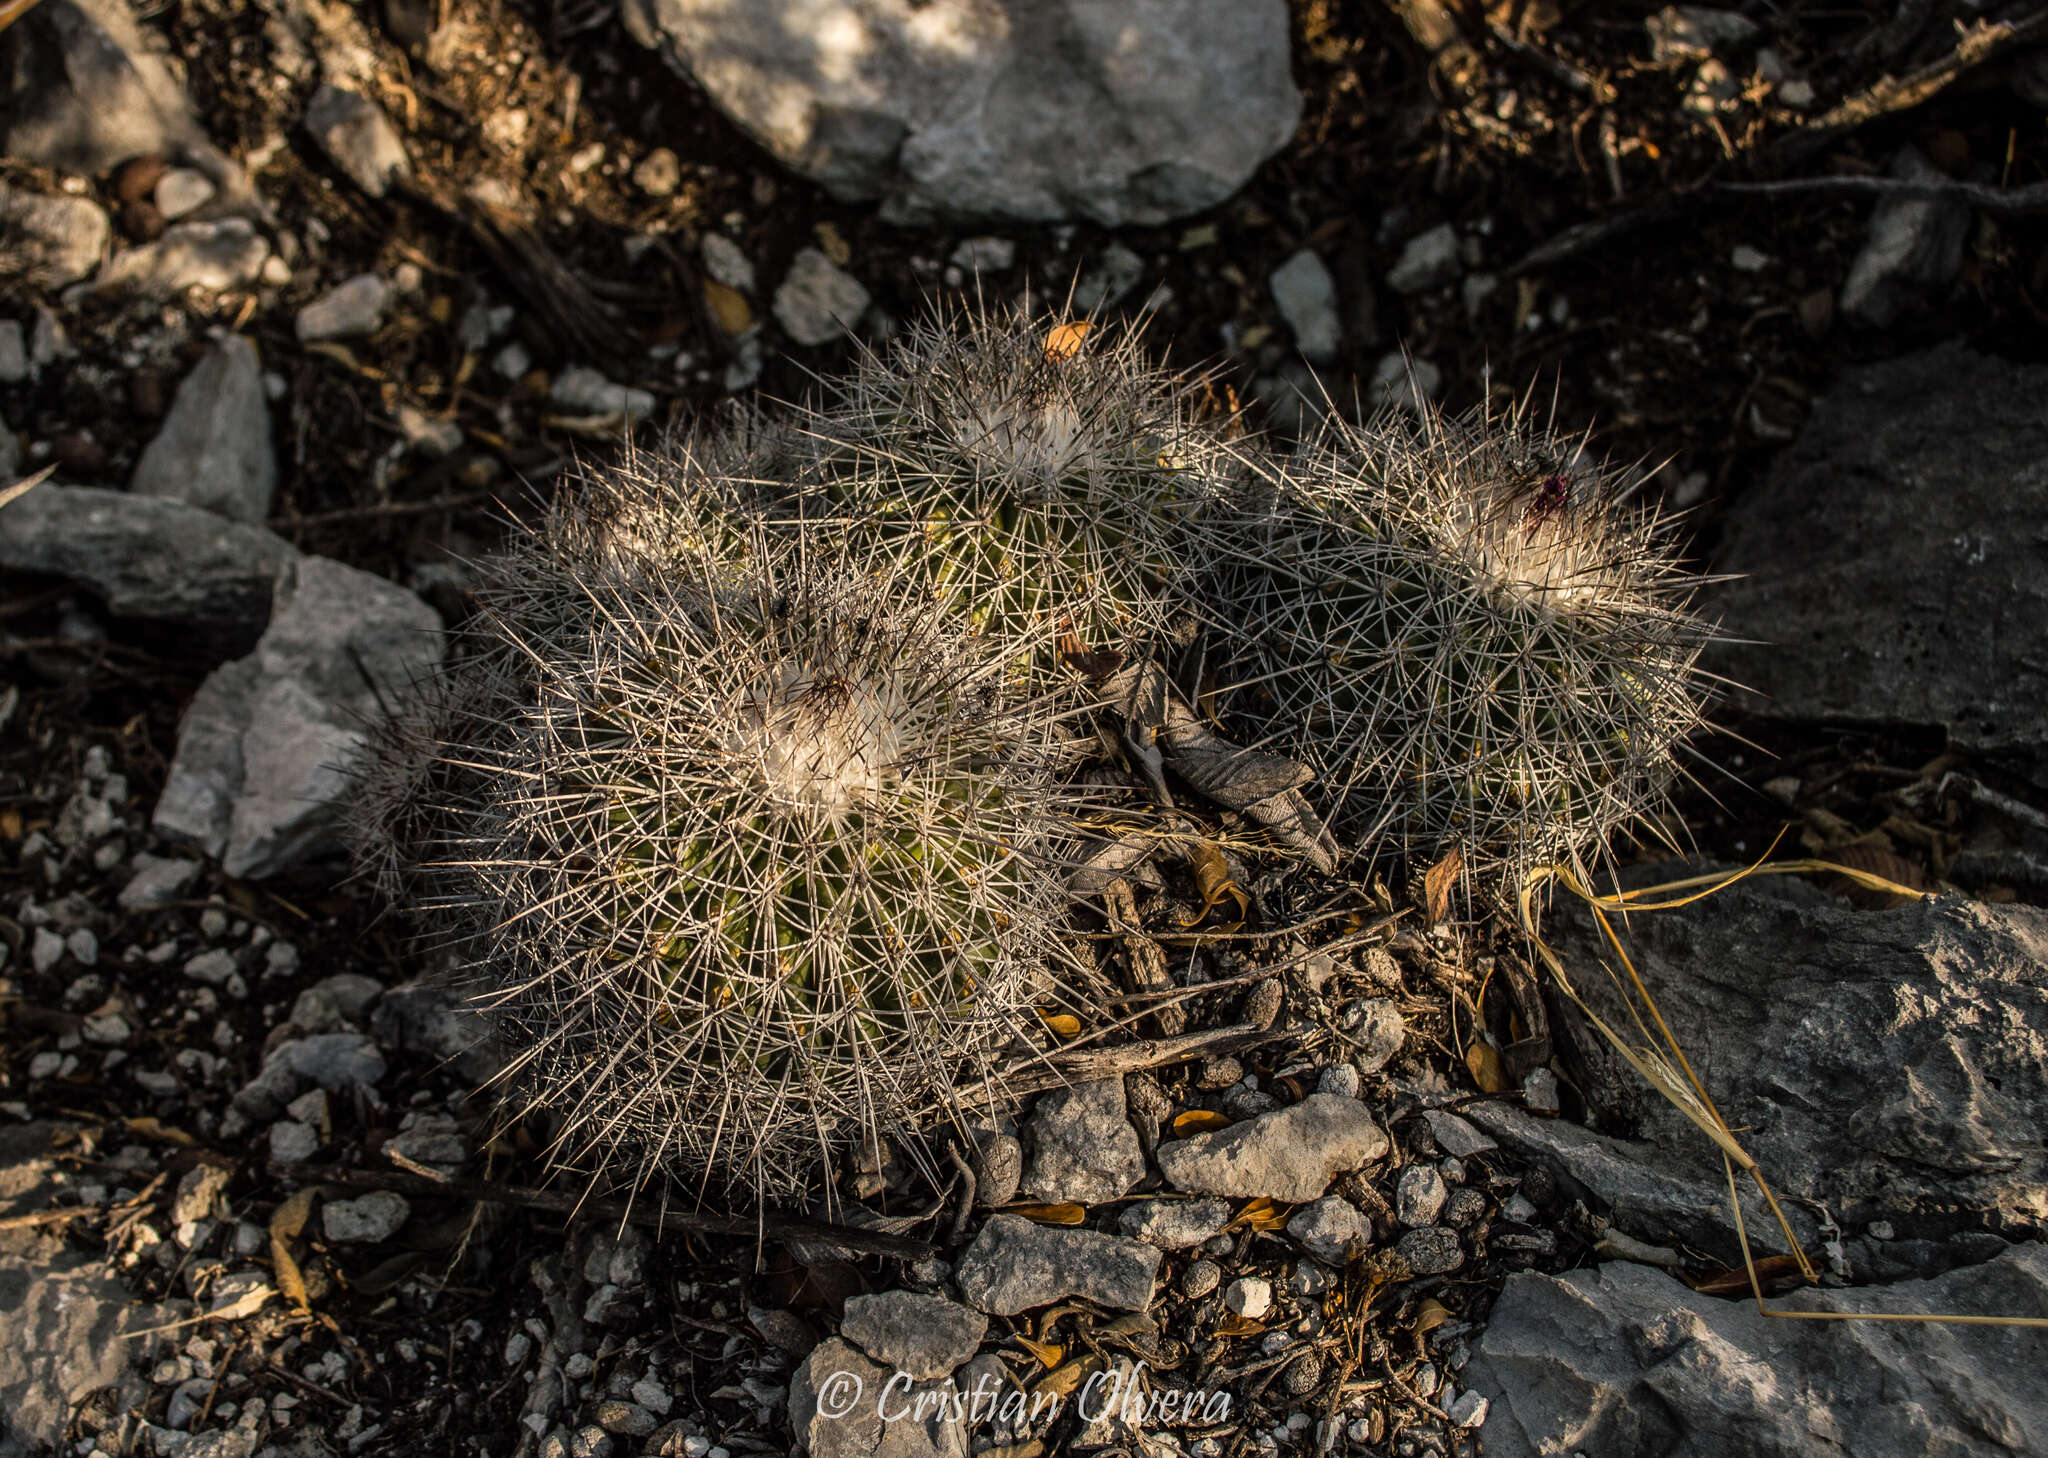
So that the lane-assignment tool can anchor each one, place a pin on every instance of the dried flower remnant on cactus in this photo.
(1473, 637)
(754, 866)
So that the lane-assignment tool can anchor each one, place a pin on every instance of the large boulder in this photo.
(1032, 110)
(1891, 568)
(1890, 1065)
(1622, 1359)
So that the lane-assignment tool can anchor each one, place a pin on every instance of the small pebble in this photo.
(180, 190)
(1249, 1297)
(659, 173)
(1197, 1281)
(1419, 1196)
(1340, 1078)
(1433, 1250)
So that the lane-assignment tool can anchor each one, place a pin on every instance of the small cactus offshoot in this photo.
(750, 866)
(1470, 634)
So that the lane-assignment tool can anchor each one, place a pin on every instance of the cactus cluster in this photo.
(1470, 635)
(749, 802)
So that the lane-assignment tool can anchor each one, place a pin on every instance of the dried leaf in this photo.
(1431, 1315)
(1260, 1214)
(1233, 1325)
(1062, 1214)
(1735, 1282)
(1881, 862)
(1487, 1070)
(286, 1221)
(1049, 1354)
(1438, 882)
(1213, 882)
(246, 1304)
(151, 1127)
(1064, 341)
(1063, 1380)
(1063, 1025)
(729, 308)
(1196, 1121)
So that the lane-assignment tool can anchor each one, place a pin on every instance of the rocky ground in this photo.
(298, 301)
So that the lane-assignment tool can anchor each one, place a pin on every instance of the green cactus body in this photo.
(755, 859)
(1045, 474)
(1475, 644)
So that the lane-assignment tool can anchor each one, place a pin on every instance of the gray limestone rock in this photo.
(1307, 299)
(1622, 1358)
(1419, 1195)
(1034, 110)
(1891, 1065)
(1084, 1148)
(264, 748)
(148, 557)
(907, 1331)
(358, 138)
(1015, 1265)
(1291, 1154)
(1891, 563)
(1173, 1224)
(352, 307)
(818, 301)
(225, 253)
(62, 1321)
(837, 1409)
(214, 449)
(157, 881)
(1331, 1230)
(372, 1217)
(1913, 252)
(48, 240)
(89, 93)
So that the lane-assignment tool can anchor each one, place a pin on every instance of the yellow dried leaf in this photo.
(1064, 342)
(1050, 1354)
(1438, 882)
(729, 308)
(1063, 1380)
(1213, 882)
(1063, 1025)
(1260, 1214)
(1234, 1325)
(1486, 1067)
(286, 1222)
(1431, 1315)
(1195, 1121)
(1062, 1214)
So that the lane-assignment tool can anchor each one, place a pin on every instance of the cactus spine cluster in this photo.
(748, 798)
(1470, 634)
(1045, 473)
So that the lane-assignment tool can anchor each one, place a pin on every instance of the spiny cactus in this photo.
(753, 860)
(1470, 634)
(1045, 471)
